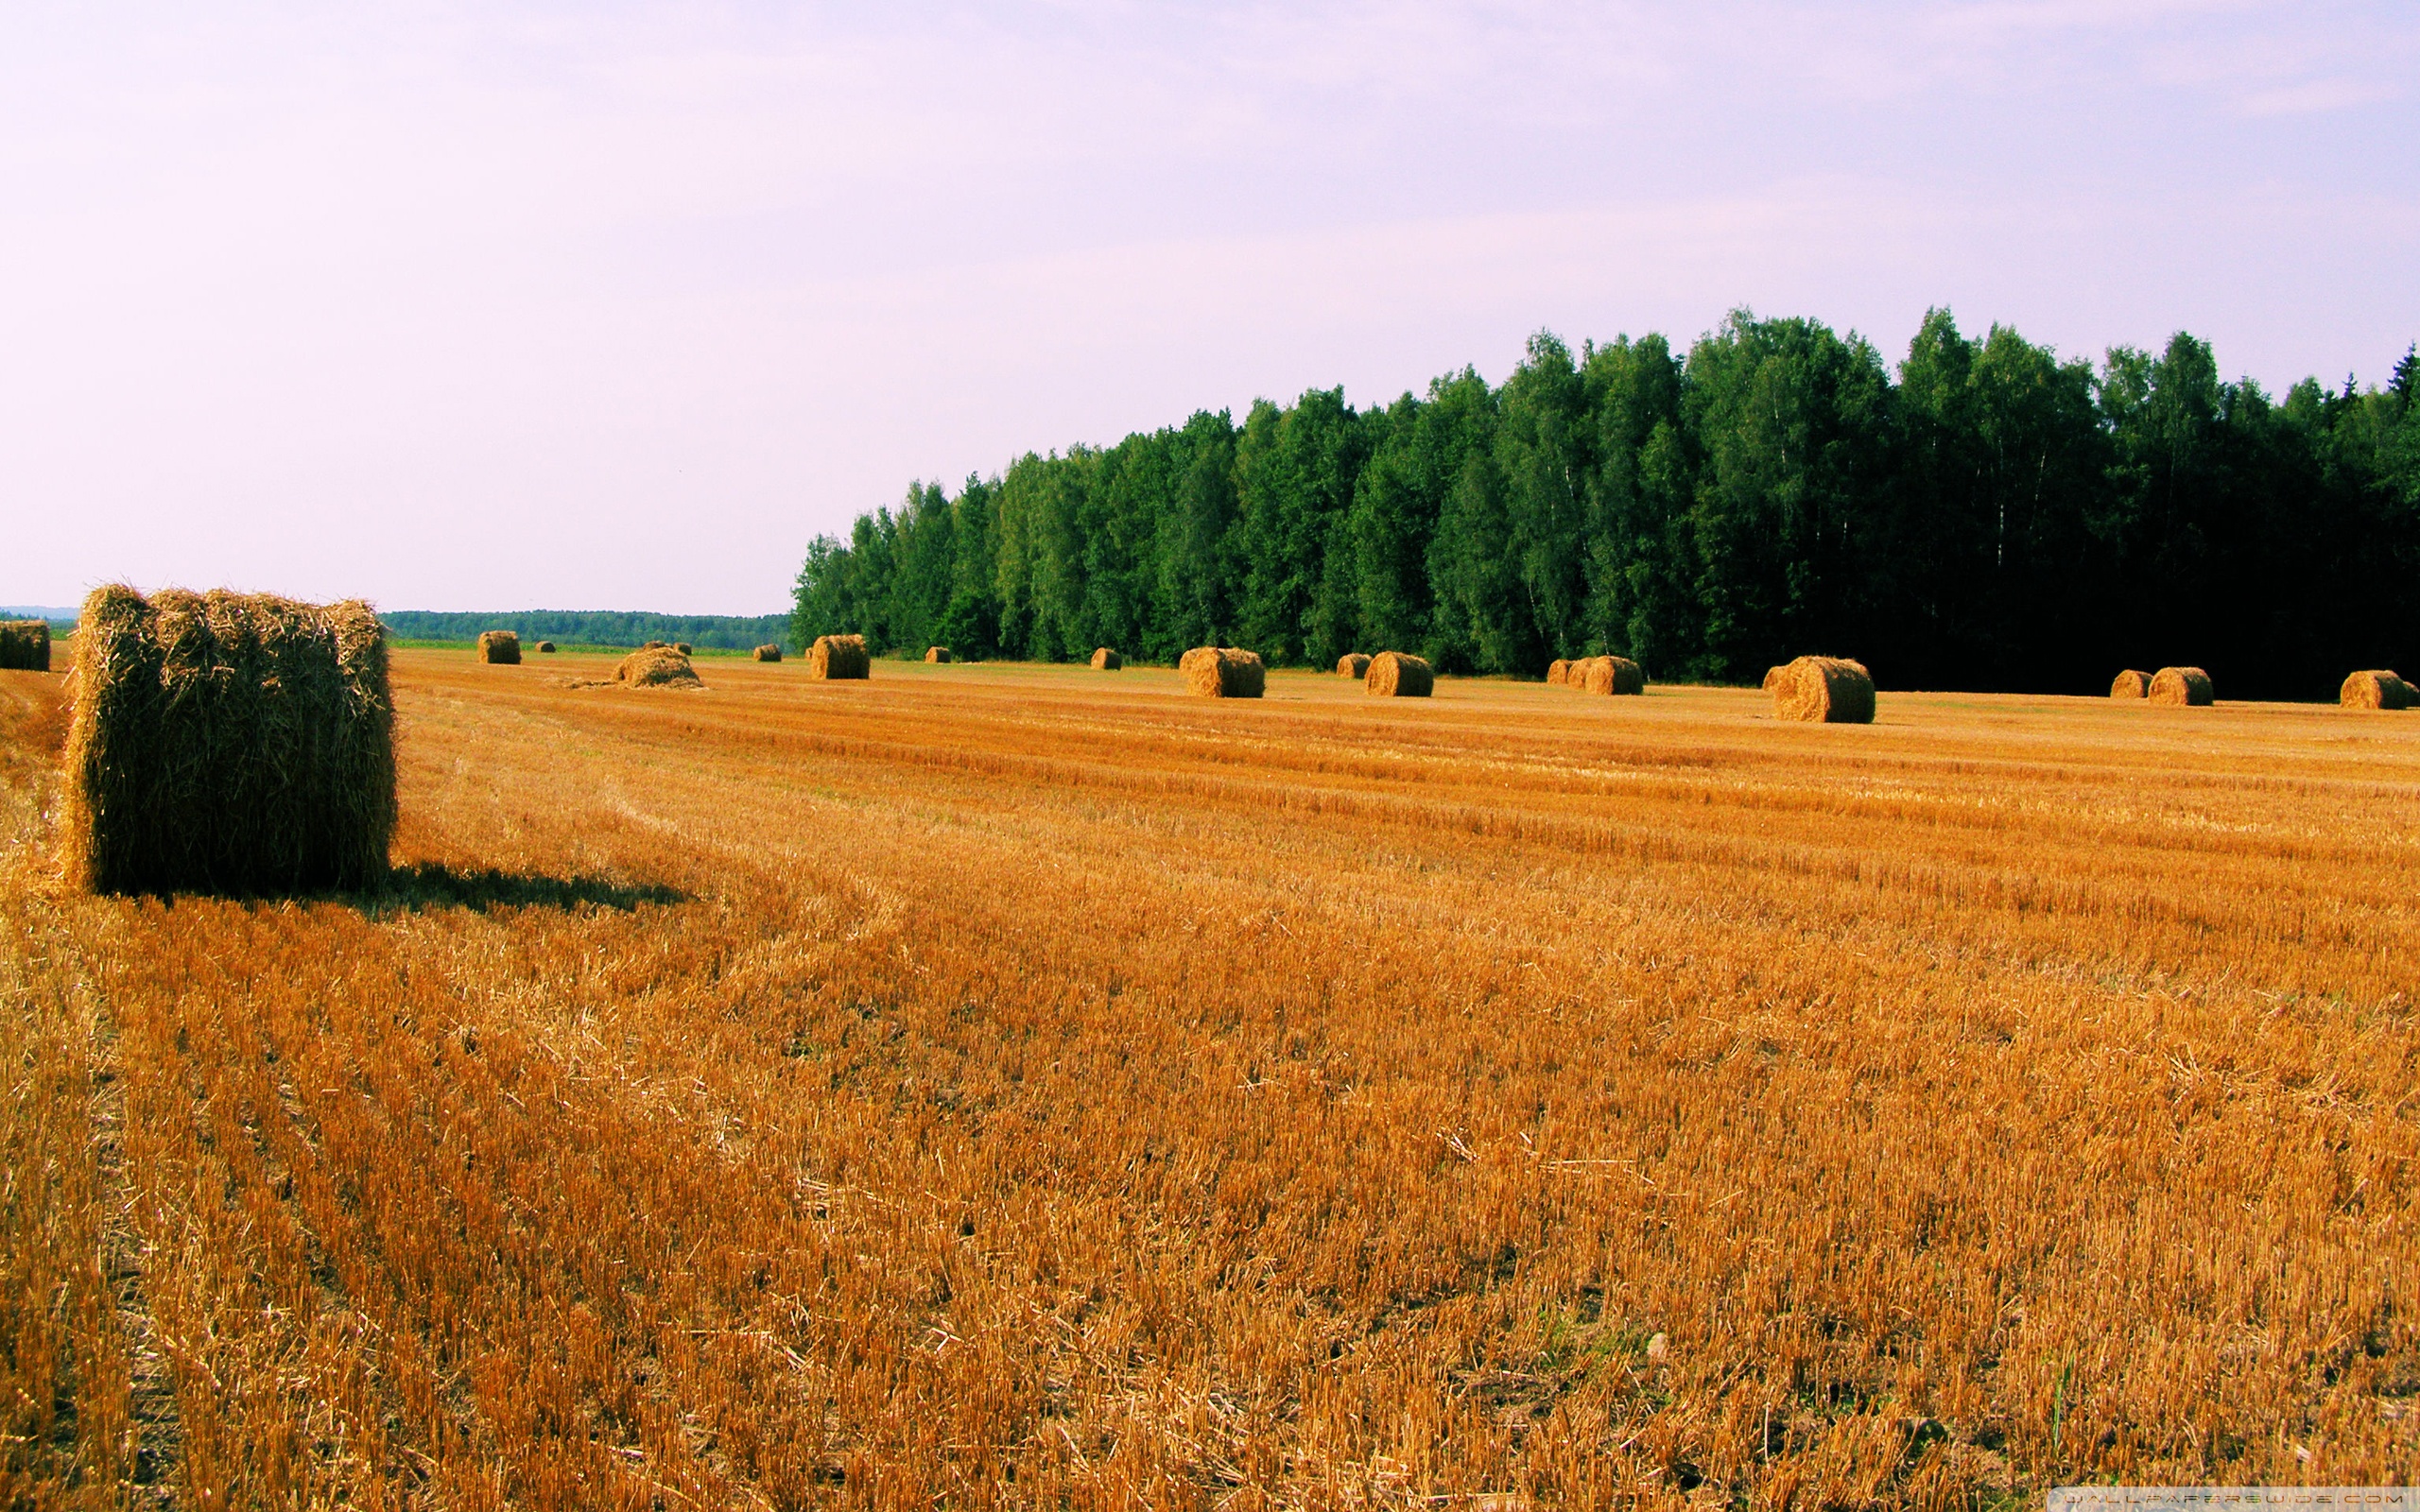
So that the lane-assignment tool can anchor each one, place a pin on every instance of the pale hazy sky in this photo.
(603, 305)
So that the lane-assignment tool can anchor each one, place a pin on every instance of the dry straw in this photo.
(1608, 675)
(1774, 675)
(1105, 660)
(2181, 685)
(546, 648)
(937, 653)
(1353, 664)
(2131, 684)
(25, 645)
(227, 743)
(839, 657)
(1824, 689)
(1399, 675)
(1222, 672)
(1558, 672)
(2376, 689)
(500, 647)
(768, 652)
(657, 666)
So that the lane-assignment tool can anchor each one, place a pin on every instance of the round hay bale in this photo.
(545, 648)
(500, 647)
(1608, 675)
(768, 652)
(1774, 675)
(657, 666)
(25, 645)
(1559, 673)
(227, 743)
(937, 653)
(1105, 660)
(685, 648)
(650, 645)
(1222, 672)
(1824, 689)
(2131, 684)
(2184, 686)
(839, 658)
(1353, 664)
(1399, 675)
(2376, 689)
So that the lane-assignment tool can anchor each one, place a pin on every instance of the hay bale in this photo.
(938, 654)
(1105, 660)
(25, 645)
(227, 743)
(1559, 673)
(1826, 689)
(1222, 672)
(1608, 675)
(2376, 689)
(2181, 685)
(1774, 675)
(1399, 675)
(839, 657)
(685, 648)
(546, 648)
(768, 652)
(1353, 664)
(500, 647)
(2130, 684)
(657, 666)
(651, 646)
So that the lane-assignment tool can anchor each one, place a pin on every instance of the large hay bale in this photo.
(2131, 684)
(227, 743)
(2376, 689)
(1105, 660)
(768, 652)
(1825, 689)
(1353, 664)
(2181, 685)
(938, 654)
(1608, 675)
(657, 666)
(1399, 675)
(500, 647)
(25, 645)
(546, 648)
(1222, 672)
(1558, 672)
(839, 657)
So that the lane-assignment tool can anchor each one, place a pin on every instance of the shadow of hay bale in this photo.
(423, 886)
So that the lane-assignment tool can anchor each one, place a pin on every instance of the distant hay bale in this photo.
(685, 648)
(768, 652)
(2376, 690)
(1105, 660)
(838, 658)
(1824, 689)
(1558, 672)
(1353, 664)
(2131, 684)
(227, 743)
(500, 647)
(657, 666)
(1608, 675)
(937, 653)
(1774, 675)
(1399, 675)
(2181, 685)
(546, 648)
(1223, 672)
(650, 645)
(25, 645)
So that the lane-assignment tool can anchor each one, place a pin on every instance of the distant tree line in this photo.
(1990, 517)
(730, 632)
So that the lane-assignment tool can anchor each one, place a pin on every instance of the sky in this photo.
(603, 305)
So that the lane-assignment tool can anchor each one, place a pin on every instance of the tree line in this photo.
(602, 628)
(1988, 517)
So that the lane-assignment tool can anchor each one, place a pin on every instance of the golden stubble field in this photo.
(1026, 1086)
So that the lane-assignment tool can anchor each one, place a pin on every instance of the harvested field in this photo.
(1010, 1086)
